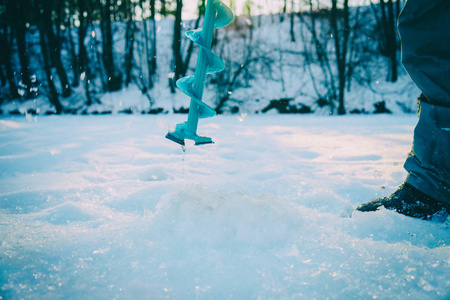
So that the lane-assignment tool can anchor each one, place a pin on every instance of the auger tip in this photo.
(175, 139)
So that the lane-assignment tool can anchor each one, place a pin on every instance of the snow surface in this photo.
(106, 207)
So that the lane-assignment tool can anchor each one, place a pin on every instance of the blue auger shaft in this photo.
(202, 64)
(216, 15)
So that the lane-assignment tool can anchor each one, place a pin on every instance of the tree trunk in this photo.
(60, 11)
(387, 30)
(341, 48)
(6, 41)
(82, 52)
(283, 13)
(147, 50)
(114, 81)
(54, 47)
(2, 72)
(129, 43)
(129, 53)
(392, 41)
(292, 22)
(75, 59)
(19, 16)
(53, 97)
(177, 41)
(3, 77)
(153, 35)
(163, 8)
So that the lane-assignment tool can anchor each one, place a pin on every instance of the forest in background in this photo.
(308, 57)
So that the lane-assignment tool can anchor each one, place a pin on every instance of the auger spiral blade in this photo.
(217, 15)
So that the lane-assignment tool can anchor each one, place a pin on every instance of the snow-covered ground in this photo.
(106, 207)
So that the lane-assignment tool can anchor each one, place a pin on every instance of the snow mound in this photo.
(70, 212)
(199, 216)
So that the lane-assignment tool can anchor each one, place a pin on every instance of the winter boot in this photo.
(411, 202)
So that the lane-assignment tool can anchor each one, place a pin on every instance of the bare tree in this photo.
(283, 12)
(153, 35)
(6, 39)
(176, 46)
(241, 65)
(292, 21)
(114, 80)
(338, 61)
(386, 31)
(129, 41)
(315, 44)
(44, 42)
(85, 71)
(54, 44)
(20, 6)
(341, 39)
(163, 10)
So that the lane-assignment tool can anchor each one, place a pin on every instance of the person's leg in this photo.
(428, 163)
(424, 28)
(425, 34)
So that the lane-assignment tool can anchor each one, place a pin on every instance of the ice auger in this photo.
(217, 15)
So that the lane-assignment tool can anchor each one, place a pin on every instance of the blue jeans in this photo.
(424, 27)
